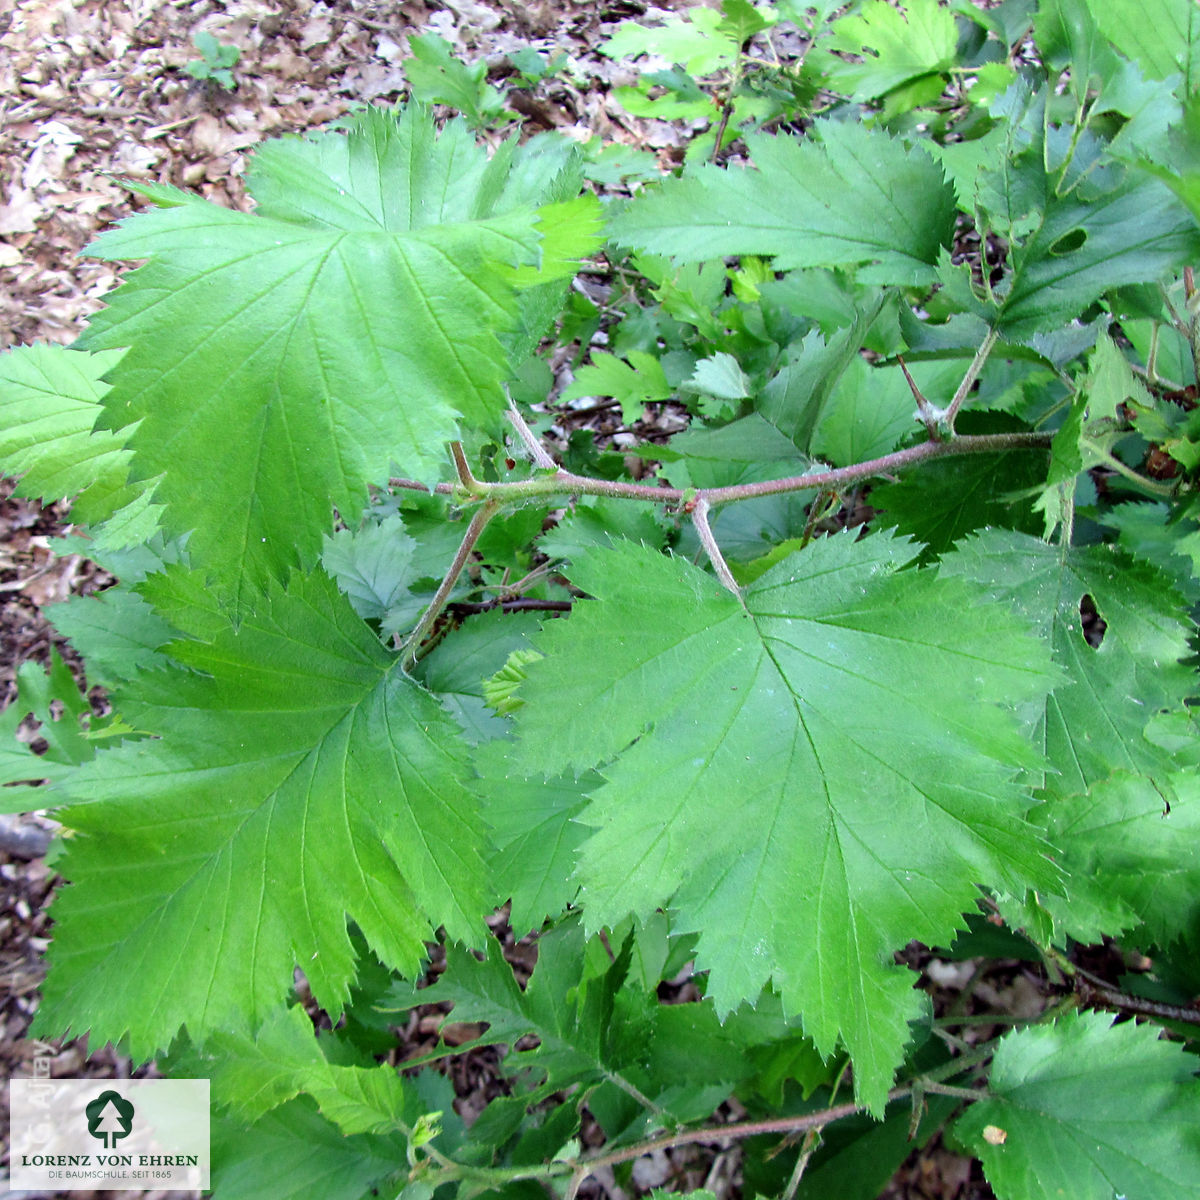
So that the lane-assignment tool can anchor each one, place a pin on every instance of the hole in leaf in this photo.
(1069, 242)
(1093, 623)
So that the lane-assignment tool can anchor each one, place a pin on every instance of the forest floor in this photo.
(94, 93)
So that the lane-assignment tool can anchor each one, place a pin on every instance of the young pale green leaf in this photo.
(253, 1075)
(300, 780)
(1090, 1110)
(296, 354)
(892, 47)
(1095, 723)
(50, 398)
(436, 76)
(856, 197)
(633, 383)
(700, 41)
(830, 773)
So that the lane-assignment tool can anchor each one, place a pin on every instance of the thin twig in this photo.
(719, 1133)
(968, 381)
(812, 1139)
(704, 530)
(1099, 994)
(515, 604)
(462, 555)
(566, 483)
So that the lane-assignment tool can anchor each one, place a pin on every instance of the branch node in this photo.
(462, 468)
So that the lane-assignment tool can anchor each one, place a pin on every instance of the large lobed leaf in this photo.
(282, 361)
(1095, 723)
(830, 773)
(301, 779)
(858, 196)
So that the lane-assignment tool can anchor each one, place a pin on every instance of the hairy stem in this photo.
(968, 380)
(1106, 997)
(705, 533)
(479, 521)
(566, 483)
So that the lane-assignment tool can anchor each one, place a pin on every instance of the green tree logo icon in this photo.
(109, 1117)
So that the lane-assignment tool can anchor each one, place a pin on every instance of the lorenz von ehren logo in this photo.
(109, 1118)
(97, 1135)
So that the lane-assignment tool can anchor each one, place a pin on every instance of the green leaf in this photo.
(894, 47)
(795, 400)
(1082, 248)
(52, 698)
(1068, 37)
(758, 715)
(374, 567)
(1162, 36)
(744, 451)
(871, 408)
(50, 399)
(117, 632)
(1094, 724)
(253, 1075)
(294, 1152)
(436, 76)
(537, 835)
(947, 499)
(298, 353)
(633, 384)
(458, 666)
(591, 1027)
(1128, 849)
(700, 41)
(857, 196)
(1086, 1109)
(300, 780)
(720, 377)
